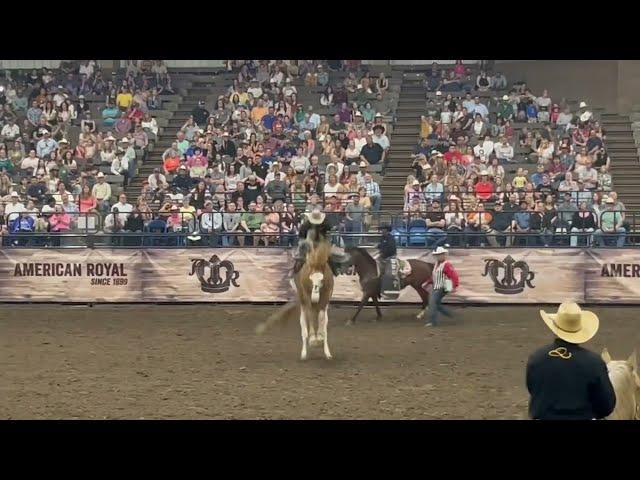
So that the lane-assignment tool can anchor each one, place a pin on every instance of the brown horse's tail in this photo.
(282, 316)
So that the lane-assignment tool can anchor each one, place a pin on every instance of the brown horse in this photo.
(370, 281)
(314, 286)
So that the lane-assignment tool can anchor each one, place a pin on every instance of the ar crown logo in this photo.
(213, 282)
(516, 275)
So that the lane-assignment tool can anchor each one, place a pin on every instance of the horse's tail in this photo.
(282, 316)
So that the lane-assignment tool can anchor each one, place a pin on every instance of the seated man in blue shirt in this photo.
(422, 149)
(24, 224)
(523, 219)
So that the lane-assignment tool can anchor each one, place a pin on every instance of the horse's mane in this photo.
(318, 256)
(622, 379)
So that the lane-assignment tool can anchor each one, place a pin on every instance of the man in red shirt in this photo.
(484, 187)
(445, 280)
(453, 155)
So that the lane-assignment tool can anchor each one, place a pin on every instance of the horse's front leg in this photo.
(362, 302)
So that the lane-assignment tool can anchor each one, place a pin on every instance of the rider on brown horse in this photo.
(388, 263)
(314, 229)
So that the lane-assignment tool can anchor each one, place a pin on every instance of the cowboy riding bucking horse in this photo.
(315, 229)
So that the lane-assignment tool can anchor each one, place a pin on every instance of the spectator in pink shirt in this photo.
(197, 164)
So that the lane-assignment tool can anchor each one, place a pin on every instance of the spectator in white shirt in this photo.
(337, 165)
(275, 172)
(157, 180)
(30, 162)
(13, 208)
(210, 221)
(584, 114)
(564, 118)
(87, 68)
(380, 138)
(10, 131)
(589, 176)
(289, 89)
(124, 208)
(150, 125)
(484, 149)
(360, 140)
(255, 89)
(504, 151)
(299, 162)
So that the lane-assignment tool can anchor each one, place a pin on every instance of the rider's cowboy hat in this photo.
(440, 251)
(316, 217)
(571, 323)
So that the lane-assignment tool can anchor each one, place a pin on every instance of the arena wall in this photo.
(262, 275)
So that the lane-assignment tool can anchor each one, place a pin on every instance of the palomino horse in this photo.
(370, 281)
(626, 383)
(314, 286)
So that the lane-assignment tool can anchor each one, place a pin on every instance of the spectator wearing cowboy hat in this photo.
(611, 224)
(102, 193)
(444, 280)
(565, 380)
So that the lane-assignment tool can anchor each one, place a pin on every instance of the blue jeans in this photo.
(353, 227)
(600, 237)
(435, 306)
(229, 240)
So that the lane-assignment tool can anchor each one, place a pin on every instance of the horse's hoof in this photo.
(303, 357)
(420, 316)
(329, 357)
(348, 323)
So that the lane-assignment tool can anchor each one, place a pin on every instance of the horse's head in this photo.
(317, 265)
(625, 379)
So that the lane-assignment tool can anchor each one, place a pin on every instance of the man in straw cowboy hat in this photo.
(445, 280)
(566, 381)
(314, 229)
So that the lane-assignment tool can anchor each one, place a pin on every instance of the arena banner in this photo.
(262, 275)
(47, 275)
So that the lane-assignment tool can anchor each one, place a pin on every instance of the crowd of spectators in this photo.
(258, 157)
(54, 152)
(244, 167)
(478, 180)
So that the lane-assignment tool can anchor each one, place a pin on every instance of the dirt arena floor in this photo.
(205, 362)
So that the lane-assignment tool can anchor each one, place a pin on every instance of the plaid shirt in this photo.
(372, 189)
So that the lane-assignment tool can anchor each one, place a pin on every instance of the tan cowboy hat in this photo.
(571, 323)
(316, 217)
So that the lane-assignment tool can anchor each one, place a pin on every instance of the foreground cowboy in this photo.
(315, 229)
(566, 381)
(445, 280)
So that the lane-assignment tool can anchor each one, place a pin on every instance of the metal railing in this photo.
(410, 229)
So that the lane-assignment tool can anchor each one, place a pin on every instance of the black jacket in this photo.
(575, 388)
(182, 183)
(583, 222)
(387, 246)
(322, 230)
(200, 116)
